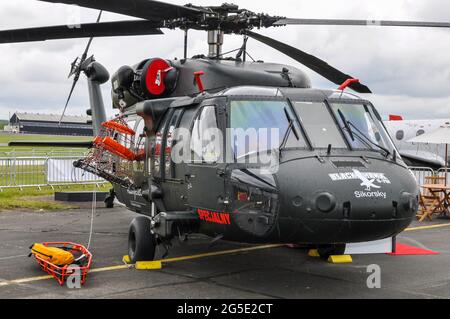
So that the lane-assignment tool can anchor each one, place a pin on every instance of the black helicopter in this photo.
(334, 175)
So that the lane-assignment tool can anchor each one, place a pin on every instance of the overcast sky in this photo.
(408, 69)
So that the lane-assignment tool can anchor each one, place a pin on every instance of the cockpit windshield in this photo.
(319, 125)
(362, 127)
(265, 125)
(259, 126)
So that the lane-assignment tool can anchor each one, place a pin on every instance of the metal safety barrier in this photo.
(421, 173)
(23, 171)
(441, 173)
(42, 171)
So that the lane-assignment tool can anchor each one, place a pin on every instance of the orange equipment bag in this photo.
(63, 259)
(54, 255)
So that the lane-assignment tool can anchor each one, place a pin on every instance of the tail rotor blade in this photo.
(74, 84)
(92, 38)
(76, 69)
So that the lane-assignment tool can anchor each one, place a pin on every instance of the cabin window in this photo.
(157, 148)
(127, 142)
(170, 142)
(420, 132)
(139, 147)
(400, 135)
(319, 125)
(362, 127)
(140, 135)
(260, 126)
(206, 138)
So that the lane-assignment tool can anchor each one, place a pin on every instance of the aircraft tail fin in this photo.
(395, 118)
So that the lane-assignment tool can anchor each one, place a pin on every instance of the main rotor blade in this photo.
(146, 9)
(381, 23)
(104, 29)
(310, 61)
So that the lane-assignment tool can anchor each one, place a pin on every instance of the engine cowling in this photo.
(151, 79)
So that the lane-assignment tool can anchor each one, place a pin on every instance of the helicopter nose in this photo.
(344, 208)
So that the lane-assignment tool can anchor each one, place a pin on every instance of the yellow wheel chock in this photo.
(143, 265)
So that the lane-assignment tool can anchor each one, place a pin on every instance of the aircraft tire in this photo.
(325, 251)
(109, 203)
(141, 241)
(109, 200)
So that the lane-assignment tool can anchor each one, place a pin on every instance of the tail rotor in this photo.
(77, 66)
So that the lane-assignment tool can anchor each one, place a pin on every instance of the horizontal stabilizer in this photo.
(50, 144)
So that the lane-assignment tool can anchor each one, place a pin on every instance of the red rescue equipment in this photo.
(110, 140)
(121, 128)
(80, 265)
(118, 149)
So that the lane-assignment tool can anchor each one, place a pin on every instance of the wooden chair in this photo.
(428, 205)
(434, 180)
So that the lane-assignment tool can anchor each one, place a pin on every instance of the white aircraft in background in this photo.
(425, 155)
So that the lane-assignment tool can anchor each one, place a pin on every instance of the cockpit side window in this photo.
(206, 138)
(319, 125)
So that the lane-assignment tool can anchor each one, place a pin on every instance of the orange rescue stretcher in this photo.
(63, 259)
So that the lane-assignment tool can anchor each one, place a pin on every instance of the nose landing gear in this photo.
(325, 251)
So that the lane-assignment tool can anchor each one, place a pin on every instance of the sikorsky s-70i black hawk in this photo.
(331, 174)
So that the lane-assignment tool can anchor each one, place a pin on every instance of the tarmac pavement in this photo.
(276, 272)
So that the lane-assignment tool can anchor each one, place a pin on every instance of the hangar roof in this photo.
(52, 118)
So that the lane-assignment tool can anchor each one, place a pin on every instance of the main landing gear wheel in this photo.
(141, 241)
(109, 200)
(325, 251)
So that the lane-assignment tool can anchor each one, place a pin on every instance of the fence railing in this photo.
(56, 169)
(421, 173)
(441, 173)
(13, 153)
(41, 171)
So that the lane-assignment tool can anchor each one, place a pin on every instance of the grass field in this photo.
(26, 172)
(6, 138)
(11, 175)
(32, 198)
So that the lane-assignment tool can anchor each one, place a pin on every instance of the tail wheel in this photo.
(325, 251)
(141, 241)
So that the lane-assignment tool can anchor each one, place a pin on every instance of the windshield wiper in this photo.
(370, 141)
(290, 128)
(348, 127)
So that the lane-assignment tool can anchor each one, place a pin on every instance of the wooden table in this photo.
(437, 202)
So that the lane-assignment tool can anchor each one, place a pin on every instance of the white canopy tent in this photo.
(440, 136)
